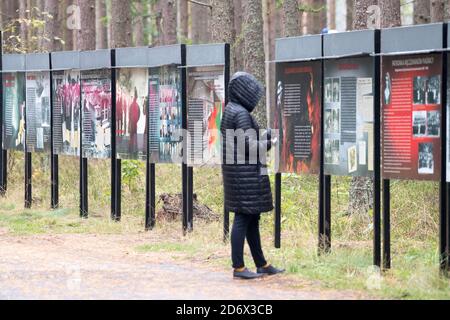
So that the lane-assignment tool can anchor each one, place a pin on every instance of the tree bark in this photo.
(421, 11)
(254, 50)
(200, 22)
(437, 10)
(67, 33)
(120, 24)
(291, 18)
(23, 26)
(169, 22)
(101, 35)
(138, 26)
(331, 5)
(349, 16)
(238, 47)
(318, 18)
(86, 34)
(183, 20)
(51, 27)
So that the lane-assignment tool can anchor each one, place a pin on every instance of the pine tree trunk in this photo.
(86, 34)
(421, 11)
(52, 27)
(254, 50)
(183, 22)
(331, 5)
(238, 48)
(319, 19)
(101, 36)
(138, 26)
(169, 22)
(291, 18)
(200, 20)
(437, 10)
(447, 10)
(68, 33)
(349, 17)
(120, 24)
(23, 26)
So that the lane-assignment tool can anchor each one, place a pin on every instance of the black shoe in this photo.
(246, 274)
(269, 270)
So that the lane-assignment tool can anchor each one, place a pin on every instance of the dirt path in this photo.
(108, 267)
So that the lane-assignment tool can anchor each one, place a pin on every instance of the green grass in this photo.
(414, 219)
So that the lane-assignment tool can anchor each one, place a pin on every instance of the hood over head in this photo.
(245, 90)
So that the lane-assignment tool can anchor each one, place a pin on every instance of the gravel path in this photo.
(107, 267)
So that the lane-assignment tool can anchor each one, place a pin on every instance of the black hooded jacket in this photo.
(246, 184)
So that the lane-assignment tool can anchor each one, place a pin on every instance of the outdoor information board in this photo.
(411, 99)
(206, 100)
(38, 111)
(14, 110)
(165, 114)
(96, 113)
(349, 116)
(131, 112)
(297, 115)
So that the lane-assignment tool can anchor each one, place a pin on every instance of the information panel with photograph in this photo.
(14, 110)
(38, 111)
(349, 116)
(206, 100)
(66, 112)
(165, 135)
(96, 113)
(297, 116)
(411, 123)
(131, 113)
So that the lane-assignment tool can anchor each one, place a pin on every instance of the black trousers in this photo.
(246, 226)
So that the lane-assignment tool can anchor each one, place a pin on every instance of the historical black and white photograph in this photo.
(328, 90)
(419, 123)
(352, 159)
(332, 120)
(332, 151)
(419, 89)
(433, 123)
(387, 88)
(336, 90)
(426, 160)
(434, 90)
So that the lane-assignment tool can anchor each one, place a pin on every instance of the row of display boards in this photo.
(361, 103)
(72, 103)
(365, 104)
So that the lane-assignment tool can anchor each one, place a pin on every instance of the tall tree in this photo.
(238, 45)
(101, 33)
(169, 22)
(120, 24)
(421, 11)
(349, 14)
(318, 12)
(360, 194)
(222, 21)
(254, 49)
(182, 20)
(331, 5)
(52, 27)
(291, 18)
(22, 24)
(86, 34)
(138, 24)
(200, 20)
(437, 10)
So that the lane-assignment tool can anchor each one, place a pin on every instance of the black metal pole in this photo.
(277, 241)
(53, 157)
(386, 224)
(28, 175)
(3, 153)
(226, 212)
(115, 163)
(150, 216)
(83, 170)
(321, 223)
(190, 178)
(443, 247)
(377, 157)
(327, 213)
(184, 166)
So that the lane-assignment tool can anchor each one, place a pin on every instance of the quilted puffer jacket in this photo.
(246, 186)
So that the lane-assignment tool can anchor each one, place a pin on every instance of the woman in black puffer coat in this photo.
(246, 184)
